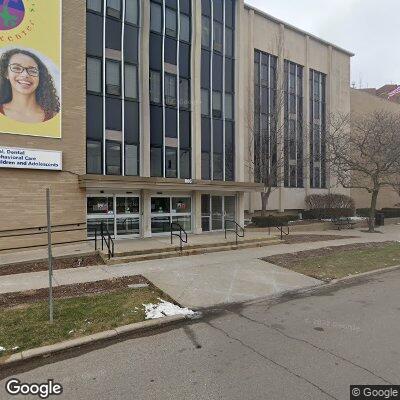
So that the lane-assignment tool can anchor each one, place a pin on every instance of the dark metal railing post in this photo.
(95, 238)
(102, 235)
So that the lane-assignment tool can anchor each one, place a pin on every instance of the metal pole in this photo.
(50, 256)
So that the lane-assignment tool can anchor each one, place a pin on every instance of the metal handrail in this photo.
(236, 230)
(41, 227)
(105, 238)
(181, 231)
(280, 229)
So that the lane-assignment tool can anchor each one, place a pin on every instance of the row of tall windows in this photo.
(317, 129)
(293, 126)
(218, 90)
(266, 110)
(265, 116)
(112, 87)
(170, 88)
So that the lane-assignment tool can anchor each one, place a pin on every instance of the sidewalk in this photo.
(209, 279)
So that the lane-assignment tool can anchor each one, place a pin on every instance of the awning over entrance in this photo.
(132, 183)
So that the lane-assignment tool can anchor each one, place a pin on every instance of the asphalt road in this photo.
(299, 347)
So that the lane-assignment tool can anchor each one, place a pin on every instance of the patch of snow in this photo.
(15, 348)
(71, 332)
(165, 309)
(2, 349)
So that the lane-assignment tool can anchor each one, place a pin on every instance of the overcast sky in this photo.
(368, 28)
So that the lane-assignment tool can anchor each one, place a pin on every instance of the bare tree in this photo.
(364, 153)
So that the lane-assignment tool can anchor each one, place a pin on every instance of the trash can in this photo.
(379, 219)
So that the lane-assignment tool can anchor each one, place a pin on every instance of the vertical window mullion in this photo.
(178, 98)
(104, 86)
(211, 91)
(295, 109)
(163, 86)
(123, 88)
(223, 92)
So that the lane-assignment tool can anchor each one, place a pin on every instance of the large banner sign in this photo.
(30, 67)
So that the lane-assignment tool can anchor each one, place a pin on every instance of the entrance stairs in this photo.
(171, 251)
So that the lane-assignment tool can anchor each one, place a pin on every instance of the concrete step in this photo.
(205, 249)
(175, 247)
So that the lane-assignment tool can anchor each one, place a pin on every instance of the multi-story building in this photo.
(156, 96)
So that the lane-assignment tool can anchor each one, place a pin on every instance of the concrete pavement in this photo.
(312, 347)
(209, 279)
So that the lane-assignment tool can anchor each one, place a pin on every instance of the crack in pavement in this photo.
(313, 345)
(272, 361)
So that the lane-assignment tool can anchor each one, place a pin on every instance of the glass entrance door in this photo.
(121, 214)
(215, 210)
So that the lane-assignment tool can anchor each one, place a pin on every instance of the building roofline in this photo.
(294, 28)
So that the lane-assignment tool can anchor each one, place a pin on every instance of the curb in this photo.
(118, 332)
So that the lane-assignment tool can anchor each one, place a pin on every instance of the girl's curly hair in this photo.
(46, 93)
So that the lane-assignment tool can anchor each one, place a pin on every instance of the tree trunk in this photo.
(264, 201)
(371, 220)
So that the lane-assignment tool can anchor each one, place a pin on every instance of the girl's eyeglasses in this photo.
(19, 69)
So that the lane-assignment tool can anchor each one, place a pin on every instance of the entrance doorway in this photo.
(168, 209)
(120, 213)
(215, 210)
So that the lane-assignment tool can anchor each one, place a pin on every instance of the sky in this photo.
(368, 28)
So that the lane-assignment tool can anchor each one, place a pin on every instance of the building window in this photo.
(217, 104)
(228, 106)
(218, 37)
(205, 102)
(95, 5)
(184, 33)
(155, 87)
(94, 75)
(155, 17)
(293, 127)
(113, 77)
(113, 157)
(94, 157)
(170, 22)
(170, 90)
(265, 143)
(206, 32)
(184, 94)
(114, 8)
(132, 11)
(317, 129)
(170, 163)
(131, 87)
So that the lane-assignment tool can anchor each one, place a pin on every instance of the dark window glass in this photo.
(205, 102)
(184, 33)
(131, 44)
(184, 93)
(205, 166)
(218, 37)
(94, 117)
(172, 4)
(206, 32)
(205, 69)
(155, 87)
(184, 129)
(114, 8)
(94, 75)
(184, 60)
(131, 122)
(113, 114)
(205, 134)
(156, 126)
(217, 104)
(185, 6)
(218, 11)
(185, 164)
(131, 84)
(156, 160)
(229, 151)
(131, 159)
(170, 51)
(171, 123)
(94, 163)
(228, 106)
(94, 35)
(113, 34)
(156, 17)
(229, 42)
(218, 164)
(95, 5)
(206, 7)
(170, 90)
(170, 22)
(170, 163)
(155, 52)
(113, 157)
(218, 136)
(113, 77)
(229, 13)
(132, 11)
(229, 75)
(217, 72)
